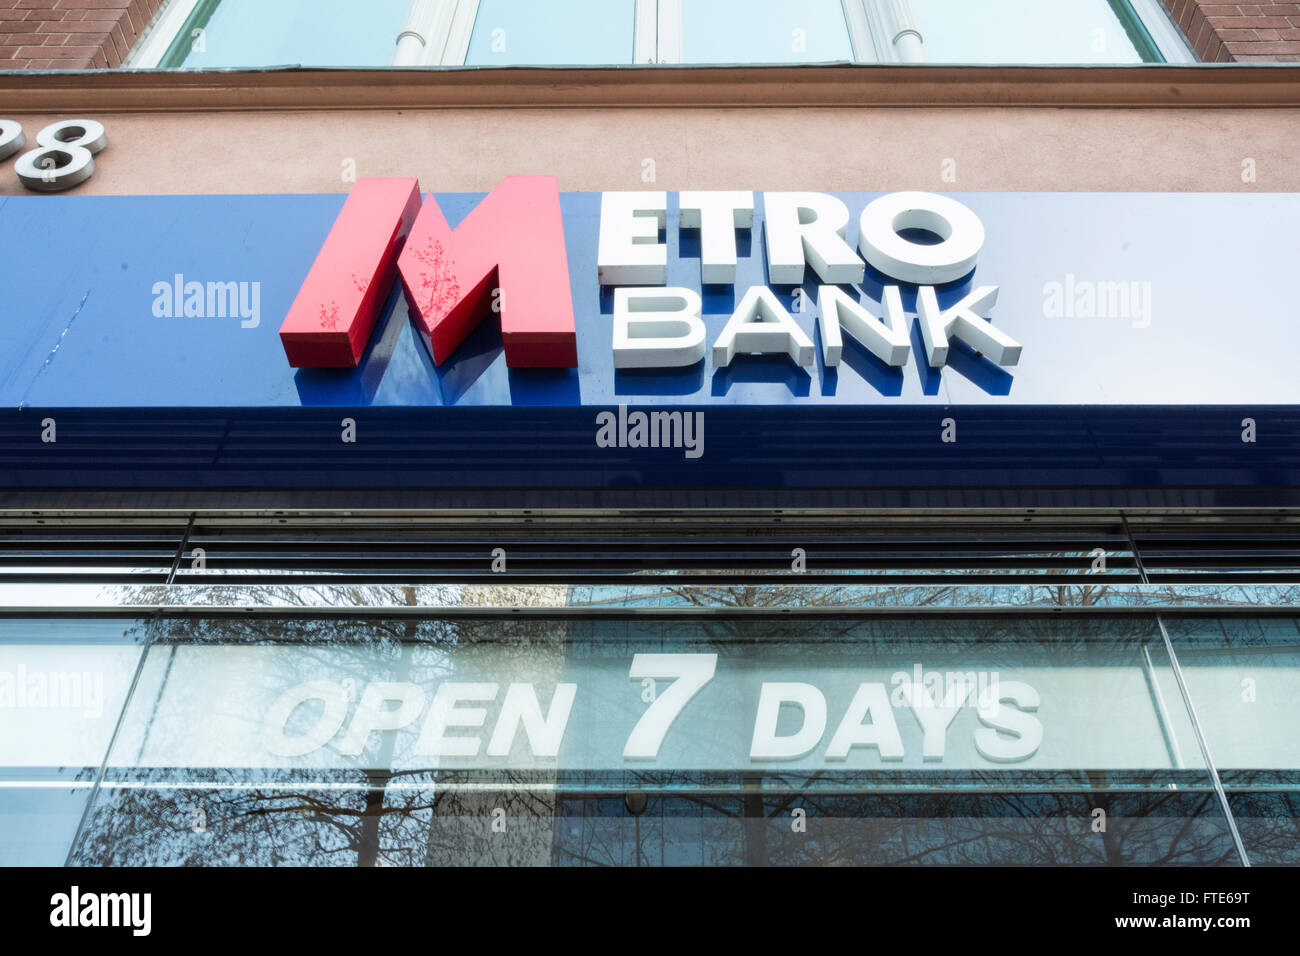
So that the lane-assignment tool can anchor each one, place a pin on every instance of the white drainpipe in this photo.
(413, 41)
(900, 35)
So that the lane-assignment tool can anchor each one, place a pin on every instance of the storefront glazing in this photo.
(944, 737)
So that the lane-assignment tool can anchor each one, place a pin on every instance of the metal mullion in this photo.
(1201, 742)
(1162, 711)
(669, 29)
(460, 30)
(860, 39)
(645, 32)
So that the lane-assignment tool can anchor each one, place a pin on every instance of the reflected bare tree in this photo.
(404, 817)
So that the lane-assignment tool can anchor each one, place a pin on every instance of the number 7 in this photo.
(692, 672)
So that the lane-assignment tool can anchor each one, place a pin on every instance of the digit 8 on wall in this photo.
(11, 138)
(64, 156)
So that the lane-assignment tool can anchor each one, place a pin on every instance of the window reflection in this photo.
(63, 685)
(39, 813)
(956, 829)
(1032, 32)
(765, 31)
(574, 33)
(1243, 675)
(254, 33)
(190, 780)
(350, 825)
(349, 33)
(1269, 822)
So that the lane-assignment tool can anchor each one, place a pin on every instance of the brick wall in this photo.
(1240, 32)
(70, 34)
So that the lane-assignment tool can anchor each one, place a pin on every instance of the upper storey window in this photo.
(215, 34)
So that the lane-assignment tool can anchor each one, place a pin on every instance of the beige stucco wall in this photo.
(821, 148)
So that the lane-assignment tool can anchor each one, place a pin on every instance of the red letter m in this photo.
(507, 256)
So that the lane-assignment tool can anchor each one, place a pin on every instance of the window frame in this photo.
(1169, 40)
(160, 34)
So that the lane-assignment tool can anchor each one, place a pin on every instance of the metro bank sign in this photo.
(508, 258)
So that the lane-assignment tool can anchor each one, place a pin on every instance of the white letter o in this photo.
(327, 725)
(888, 252)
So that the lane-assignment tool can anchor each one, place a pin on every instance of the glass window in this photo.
(764, 31)
(573, 33)
(63, 685)
(254, 33)
(950, 740)
(1243, 676)
(1032, 32)
(211, 34)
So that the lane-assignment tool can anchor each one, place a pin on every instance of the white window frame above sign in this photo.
(158, 35)
(1173, 45)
